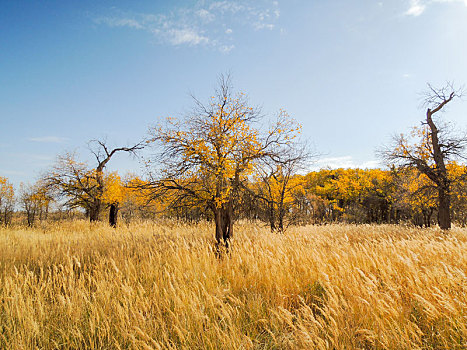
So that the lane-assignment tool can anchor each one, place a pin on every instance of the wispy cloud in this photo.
(12, 172)
(186, 36)
(39, 157)
(119, 22)
(205, 15)
(207, 23)
(344, 162)
(48, 139)
(417, 7)
(226, 48)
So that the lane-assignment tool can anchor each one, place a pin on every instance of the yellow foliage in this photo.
(114, 191)
(217, 150)
(7, 193)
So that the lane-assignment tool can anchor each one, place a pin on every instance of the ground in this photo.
(161, 286)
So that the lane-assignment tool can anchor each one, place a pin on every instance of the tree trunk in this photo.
(444, 204)
(444, 199)
(281, 220)
(224, 225)
(272, 218)
(113, 214)
(94, 211)
(31, 216)
(427, 212)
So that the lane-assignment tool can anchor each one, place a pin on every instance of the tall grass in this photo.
(160, 286)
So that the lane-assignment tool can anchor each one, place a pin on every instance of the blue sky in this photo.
(349, 71)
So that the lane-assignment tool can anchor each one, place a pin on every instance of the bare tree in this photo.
(437, 145)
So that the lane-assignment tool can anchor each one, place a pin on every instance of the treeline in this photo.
(326, 196)
(342, 195)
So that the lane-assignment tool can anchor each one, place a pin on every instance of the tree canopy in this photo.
(208, 155)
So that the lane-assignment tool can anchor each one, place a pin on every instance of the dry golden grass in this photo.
(160, 286)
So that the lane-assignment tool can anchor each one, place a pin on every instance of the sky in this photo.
(351, 72)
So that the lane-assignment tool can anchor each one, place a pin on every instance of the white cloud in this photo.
(227, 49)
(335, 162)
(344, 162)
(48, 139)
(186, 36)
(370, 164)
(261, 25)
(205, 15)
(119, 22)
(265, 18)
(208, 23)
(227, 6)
(417, 7)
(462, 1)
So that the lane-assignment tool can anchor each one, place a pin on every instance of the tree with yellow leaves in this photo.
(113, 195)
(458, 177)
(209, 155)
(35, 200)
(7, 200)
(85, 187)
(414, 196)
(356, 195)
(278, 184)
(137, 199)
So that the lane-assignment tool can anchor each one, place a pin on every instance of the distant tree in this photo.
(35, 200)
(415, 196)
(113, 195)
(7, 201)
(435, 145)
(319, 199)
(356, 195)
(136, 200)
(458, 176)
(83, 186)
(278, 180)
(207, 156)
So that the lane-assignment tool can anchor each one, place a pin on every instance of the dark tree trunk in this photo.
(441, 176)
(444, 211)
(224, 225)
(281, 220)
(31, 216)
(427, 212)
(113, 214)
(94, 211)
(272, 217)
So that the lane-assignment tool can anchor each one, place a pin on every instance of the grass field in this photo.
(160, 286)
